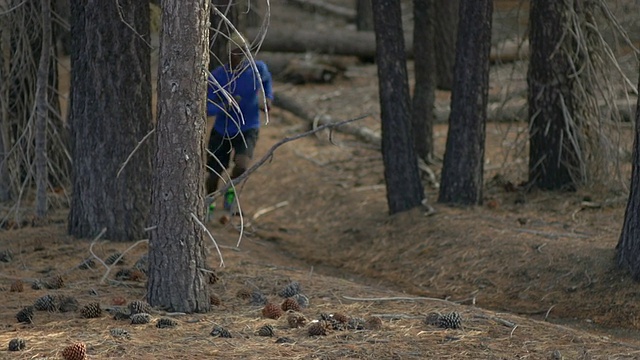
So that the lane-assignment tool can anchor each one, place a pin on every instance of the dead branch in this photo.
(400, 298)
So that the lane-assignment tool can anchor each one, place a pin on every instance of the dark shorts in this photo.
(242, 144)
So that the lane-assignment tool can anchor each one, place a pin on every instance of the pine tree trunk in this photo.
(110, 114)
(446, 28)
(404, 189)
(364, 15)
(424, 92)
(42, 109)
(176, 245)
(553, 160)
(463, 167)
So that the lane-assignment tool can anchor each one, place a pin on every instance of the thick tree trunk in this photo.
(553, 145)
(404, 189)
(446, 28)
(463, 167)
(424, 92)
(110, 114)
(628, 248)
(176, 247)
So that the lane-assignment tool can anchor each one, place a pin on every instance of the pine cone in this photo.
(451, 320)
(356, 323)
(266, 330)
(317, 328)
(46, 303)
(290, 290)
(138, 306)
(25, 315)
(17, 286)
(215, 300)
(272, 311)
(91, 310)
(17, 344)
(302, 300)
(432, 319)
(166, 323)
(87, 264)
(123, 274)
(113, 258)
(37, 284)
(290, 304)
(140, 318)
(373, 323)
(6, 256)
(258, 298)
(296, 319)
(142, 264)
(284, 340)
(77, 351)
(117, 332)
(219, 331)
(67, 303)
(56, 282)
(243, 294)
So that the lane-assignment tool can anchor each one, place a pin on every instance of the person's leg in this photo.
(218, 158)
(244, 147)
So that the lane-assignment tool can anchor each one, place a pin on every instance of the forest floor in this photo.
(532, 274)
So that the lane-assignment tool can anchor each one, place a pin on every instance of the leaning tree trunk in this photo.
(628, 248)
(424, 91)
(463, 166)
(364, 15)
(445, 28)
(554, 139)
(110, 116)
(404, 189)
(176, 247)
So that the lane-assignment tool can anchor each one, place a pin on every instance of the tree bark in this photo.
(463, 166)
(424, 92)
(553, 156)
(404, 189)
(176, 246)
(110, 114)
(42, 109)
(628, 248)
(364, 17)
(446, 28)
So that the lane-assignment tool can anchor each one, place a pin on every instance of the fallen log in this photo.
(358, 43)
(287, 103)
(320, 6)
(302, 68)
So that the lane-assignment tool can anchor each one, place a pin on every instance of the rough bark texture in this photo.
(628, 248)
(446, 28)
(364, 15)
(463, 166)
(110, 114)
(552, 155)
(404, 189)
(42, 109)
(176, 245)
(424, 91)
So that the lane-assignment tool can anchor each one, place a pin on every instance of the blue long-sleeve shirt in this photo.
(244, 87)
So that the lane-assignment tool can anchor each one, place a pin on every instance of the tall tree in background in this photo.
(404, 189)
(463, 166)
(424, 91)
(110, 115)
(42, 110)
(557, 98)
(176, 246)
(221, 30)
(628, 248)
(364, 15)
(446, 27)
